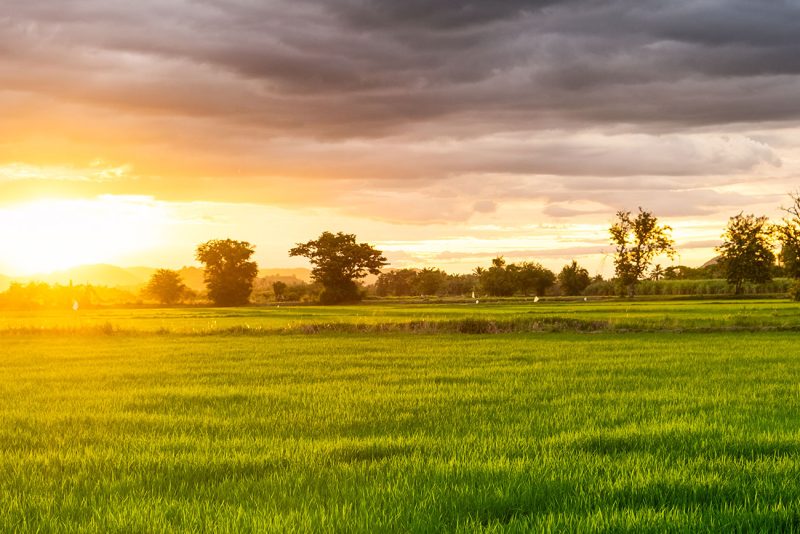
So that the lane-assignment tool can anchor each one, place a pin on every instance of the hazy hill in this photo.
(97, 275)
(143, 273)
(193, 278)
(4, 282)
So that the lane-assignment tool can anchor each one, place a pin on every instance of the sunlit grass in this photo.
(521, 317)
(397, 432)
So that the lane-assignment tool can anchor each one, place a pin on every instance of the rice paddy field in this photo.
(506, 417)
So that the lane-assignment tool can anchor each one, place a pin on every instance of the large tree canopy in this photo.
(789, 237)
(638, 240)
(338, 262)
(504, 280)
(229, 273)
(747, 251)
(166, 286)
(573, 279)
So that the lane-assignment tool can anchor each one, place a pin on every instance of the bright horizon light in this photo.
(51, 234)
(48, 235)
(443, 134)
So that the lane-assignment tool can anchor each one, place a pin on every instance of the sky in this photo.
(444, 132)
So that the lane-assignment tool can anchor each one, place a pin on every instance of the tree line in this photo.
(747, 254)
(501, 279)
(753, 251)
(339, 263)
(750, 249)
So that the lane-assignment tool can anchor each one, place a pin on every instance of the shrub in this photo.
(794, 291)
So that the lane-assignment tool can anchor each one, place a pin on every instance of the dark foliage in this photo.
(229, 272)
(638, 241)
(339, 261)
(746, 252)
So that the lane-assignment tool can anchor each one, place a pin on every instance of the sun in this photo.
(48, 235)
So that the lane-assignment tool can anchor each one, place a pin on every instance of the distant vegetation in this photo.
(700, 287)
(424, 282)
(638, 241)
(229, 271)
(339, 262)
(167, 287)
(756, 257)
(36, 295)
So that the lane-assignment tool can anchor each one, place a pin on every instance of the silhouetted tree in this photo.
(573, 279)
(498, 280)
(408, 282)
(533, 278)
(746, 252)
(430, 281)
(638, 240)
(166, 286)
(658, 272)
(461, 284)
(788, 234)
(682, 272)
(339, 261)
(301, 292)
(504, 280)
(396, 283)
(229, 273)
(279, 289)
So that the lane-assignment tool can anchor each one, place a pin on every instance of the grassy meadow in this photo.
(516, 315)
(583, 416)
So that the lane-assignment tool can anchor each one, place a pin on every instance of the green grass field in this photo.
(614, 315)
(665, 416)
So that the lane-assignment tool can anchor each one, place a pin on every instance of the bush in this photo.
(794, 291)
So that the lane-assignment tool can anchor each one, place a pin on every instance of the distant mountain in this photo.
(144, 273)
(713, 261)
(193, 278)
(96, 275)
(5, 281)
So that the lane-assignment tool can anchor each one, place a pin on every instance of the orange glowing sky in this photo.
(444, 132)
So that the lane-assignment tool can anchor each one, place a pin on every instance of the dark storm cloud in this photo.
(433, 14)
(430, 92)
(508, 62)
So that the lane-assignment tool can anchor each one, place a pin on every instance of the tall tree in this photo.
(638, 240)
(166, 286)
(499, 280)
(573, 279)
(229, 272)
(461, 284)
(396, 283)
(430, 281)
(788, 234)
(534, 278)
(658, 272)
(339, 262)
(746, 252)
(279, 289)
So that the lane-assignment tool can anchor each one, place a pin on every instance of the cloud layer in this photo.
(406, 110)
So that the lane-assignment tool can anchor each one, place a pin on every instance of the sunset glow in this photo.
(504, 130)
(52, 234)
(399, 265)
